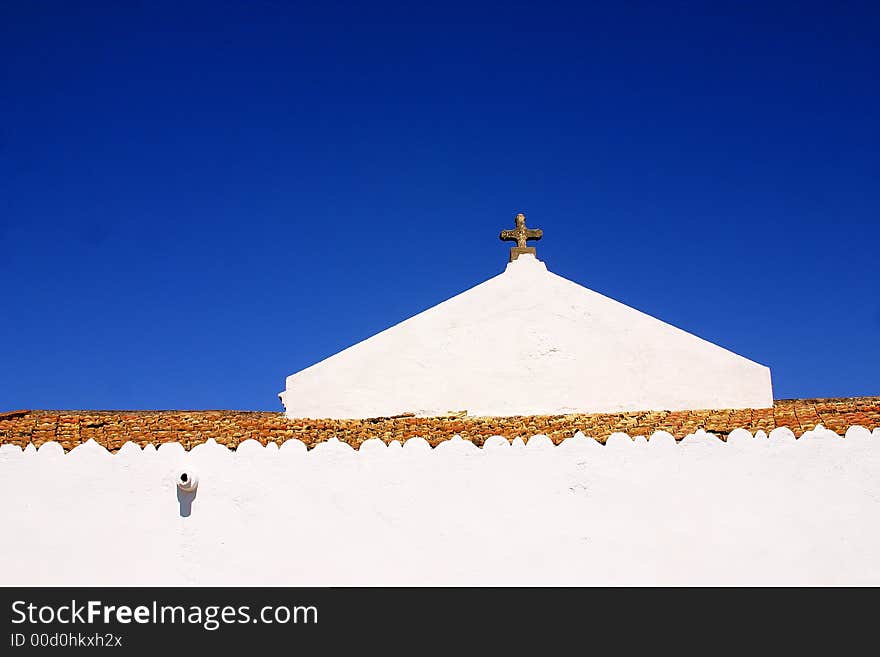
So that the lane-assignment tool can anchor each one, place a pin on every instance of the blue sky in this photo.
(197, 200)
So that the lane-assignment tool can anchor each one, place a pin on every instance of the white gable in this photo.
(527, 342)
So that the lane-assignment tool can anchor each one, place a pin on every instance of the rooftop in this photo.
(112, 429)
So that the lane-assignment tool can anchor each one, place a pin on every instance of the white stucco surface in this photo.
(754, 510)
(527, 342)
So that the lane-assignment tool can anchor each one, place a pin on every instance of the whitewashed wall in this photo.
(755, 510)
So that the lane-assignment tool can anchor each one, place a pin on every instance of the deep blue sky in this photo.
(197, 200)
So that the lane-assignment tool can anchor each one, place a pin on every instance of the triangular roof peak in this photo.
(527, 342)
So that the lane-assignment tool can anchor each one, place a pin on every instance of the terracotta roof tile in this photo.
(112, 429)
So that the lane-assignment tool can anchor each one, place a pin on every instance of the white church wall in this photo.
(753, 510)
(527, 342)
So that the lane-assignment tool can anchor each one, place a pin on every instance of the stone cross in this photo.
(519, 235)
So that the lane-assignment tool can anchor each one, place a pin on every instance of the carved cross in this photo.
(519, 235)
